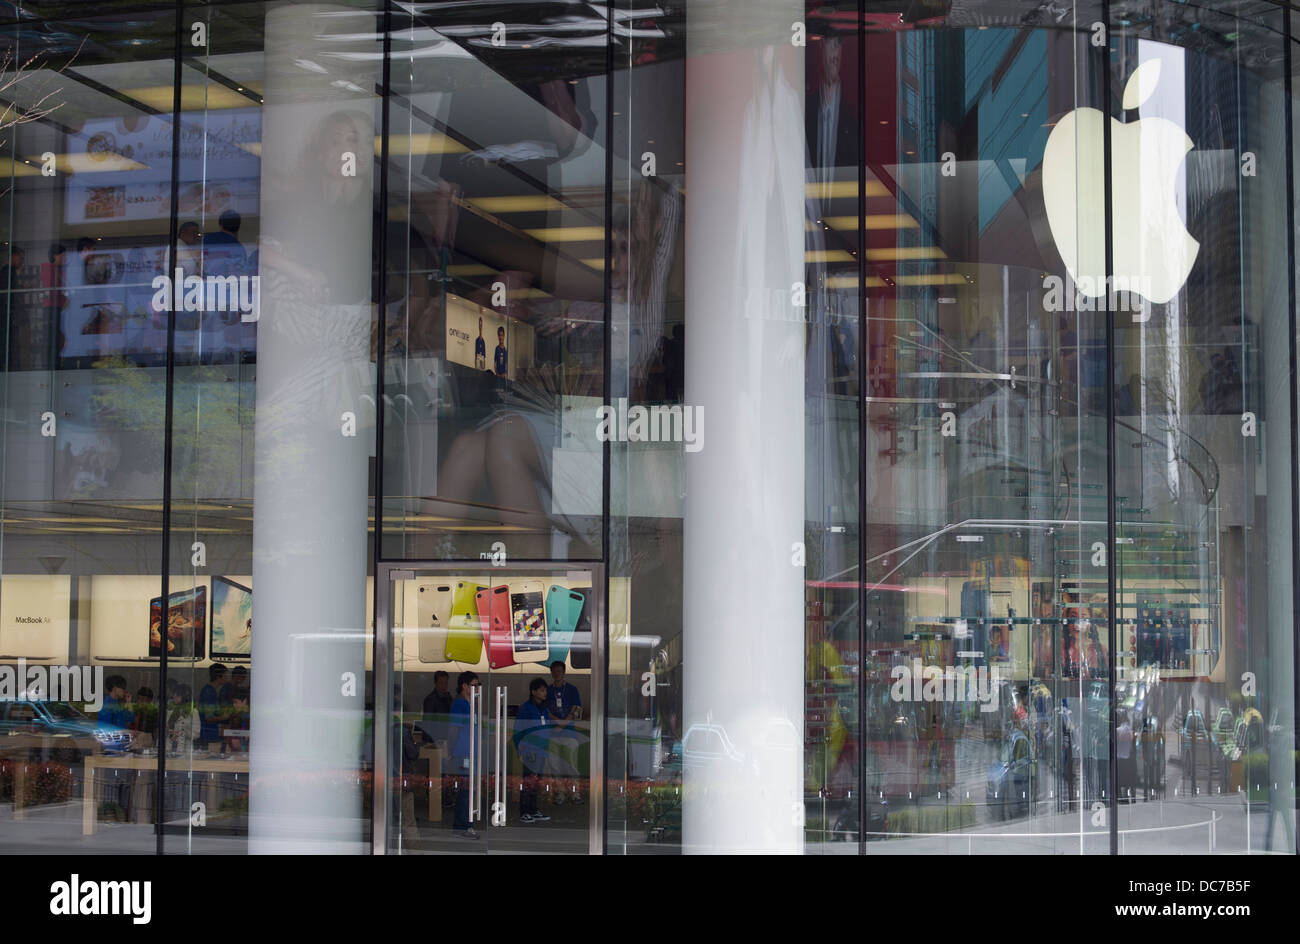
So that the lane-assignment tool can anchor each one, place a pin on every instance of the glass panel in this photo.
(984, 568)
(494, 294)
(833, 804)
(1040, 584)
(1203, 435)
(647, 479)
(273, 396)
(495, 710)
(85, 207)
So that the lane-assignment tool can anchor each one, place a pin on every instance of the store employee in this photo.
(562, 700)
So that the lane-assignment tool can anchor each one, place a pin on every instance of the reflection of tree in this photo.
(15, 77)
(206, 433)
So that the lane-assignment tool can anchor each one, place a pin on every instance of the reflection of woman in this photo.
(1042, 651)
(998, 645)
(183, 725)
(1071, 651)
(645, 239)
(327, 196)
(315, 273)
(1094, 664)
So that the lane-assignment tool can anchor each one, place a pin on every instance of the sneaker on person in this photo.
(468, 833)
(528, 818)
(540, 818)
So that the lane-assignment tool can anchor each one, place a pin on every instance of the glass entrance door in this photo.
(493, 678)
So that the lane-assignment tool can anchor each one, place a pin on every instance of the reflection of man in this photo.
(222, 250)
(189, 248)
(499, 355)
(1152, 741)
(480, 349)
(438, 701)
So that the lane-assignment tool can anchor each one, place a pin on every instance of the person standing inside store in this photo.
(533, 749)
(1125, 758)
(146, 713)
(223, 253)
(213, 699)
(236, 702)
(20, 331)
(55, 300)
(564, 706)
(189, 249)
(1151, 744)
(183, 724)
(563, 703)
(116, 709)
(466, 682)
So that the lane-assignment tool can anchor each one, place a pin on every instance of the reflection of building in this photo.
(914, 457)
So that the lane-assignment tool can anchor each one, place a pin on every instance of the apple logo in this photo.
(1153, 252)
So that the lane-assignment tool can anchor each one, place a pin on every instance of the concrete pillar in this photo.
(310, 465)
(1264, 266)
(743, 596)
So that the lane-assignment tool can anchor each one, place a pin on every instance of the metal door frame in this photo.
(385, 574)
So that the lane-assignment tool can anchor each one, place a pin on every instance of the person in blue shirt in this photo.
(223, 254)
(466, 682)
(116, 710)
(563, 702)
(213, 698)
(564, 706)
(531, 722)
(499, 355)
(480, 349)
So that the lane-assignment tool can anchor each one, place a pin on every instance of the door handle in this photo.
(475, 726)
(499, 756)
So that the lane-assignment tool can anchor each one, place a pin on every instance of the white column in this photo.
(310, 485)
(743, 597)
(1266, 223)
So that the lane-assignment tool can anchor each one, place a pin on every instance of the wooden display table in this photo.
(434, 756)
(22, 743)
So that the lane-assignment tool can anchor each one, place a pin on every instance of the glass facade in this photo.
(376, 315)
